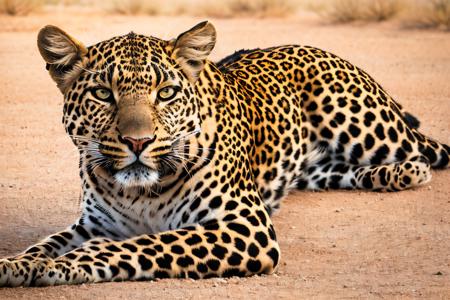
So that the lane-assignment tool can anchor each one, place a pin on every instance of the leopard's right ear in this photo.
(61, 52)
(191, 48)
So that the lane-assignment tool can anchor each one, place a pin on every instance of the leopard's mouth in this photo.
(139, 174)
(142, 170)
(136, 175)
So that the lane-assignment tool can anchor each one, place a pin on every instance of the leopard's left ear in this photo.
(61, 52)
(191, 48)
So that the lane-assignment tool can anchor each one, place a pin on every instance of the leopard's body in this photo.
(182, 160)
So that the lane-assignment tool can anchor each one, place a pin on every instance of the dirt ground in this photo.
(334, 244)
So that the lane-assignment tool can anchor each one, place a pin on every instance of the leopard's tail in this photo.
(436, 152)
(411, 120)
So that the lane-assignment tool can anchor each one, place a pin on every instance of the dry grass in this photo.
(215, 9)
(429, 14)
(136, 7)
(19, 7)
(381, 10)
(262, 8)
(247, 8)
(346, 11)
(411, 13)
(343, 11)
(208, 8)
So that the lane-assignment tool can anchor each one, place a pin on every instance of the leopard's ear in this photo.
(191, 48)
(61, 52)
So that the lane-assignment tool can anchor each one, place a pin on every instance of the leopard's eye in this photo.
(167, 93)
(103, 94)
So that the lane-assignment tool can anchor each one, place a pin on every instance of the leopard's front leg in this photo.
(19, 269)
(243, 246)
(64, 241)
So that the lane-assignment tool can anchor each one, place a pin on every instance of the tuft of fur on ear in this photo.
(191, 48)
(61, 52)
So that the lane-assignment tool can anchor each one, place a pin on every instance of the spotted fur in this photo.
(182, 160)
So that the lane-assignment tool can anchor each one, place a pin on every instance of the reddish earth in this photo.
(334, 244)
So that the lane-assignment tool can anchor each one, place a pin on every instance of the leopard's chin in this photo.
(137, 175)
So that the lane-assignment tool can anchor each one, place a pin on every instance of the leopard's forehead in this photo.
(129, 49)
(137, 60)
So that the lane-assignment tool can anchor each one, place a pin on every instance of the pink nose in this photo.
(137, 145)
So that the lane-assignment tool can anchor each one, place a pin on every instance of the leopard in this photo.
(183, 160)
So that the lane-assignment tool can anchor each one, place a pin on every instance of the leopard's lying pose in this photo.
(183, 160)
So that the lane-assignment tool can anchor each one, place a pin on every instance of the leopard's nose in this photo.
(137, 145)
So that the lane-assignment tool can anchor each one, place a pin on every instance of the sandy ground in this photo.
(334, 244)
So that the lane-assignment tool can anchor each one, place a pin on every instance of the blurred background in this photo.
(408, 13)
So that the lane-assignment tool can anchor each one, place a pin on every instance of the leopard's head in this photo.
(130, 104)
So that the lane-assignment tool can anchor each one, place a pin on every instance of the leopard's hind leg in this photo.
(388, 177)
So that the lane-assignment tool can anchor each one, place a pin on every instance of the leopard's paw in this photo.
(5, 272)
(13, 273)
(23, 272)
